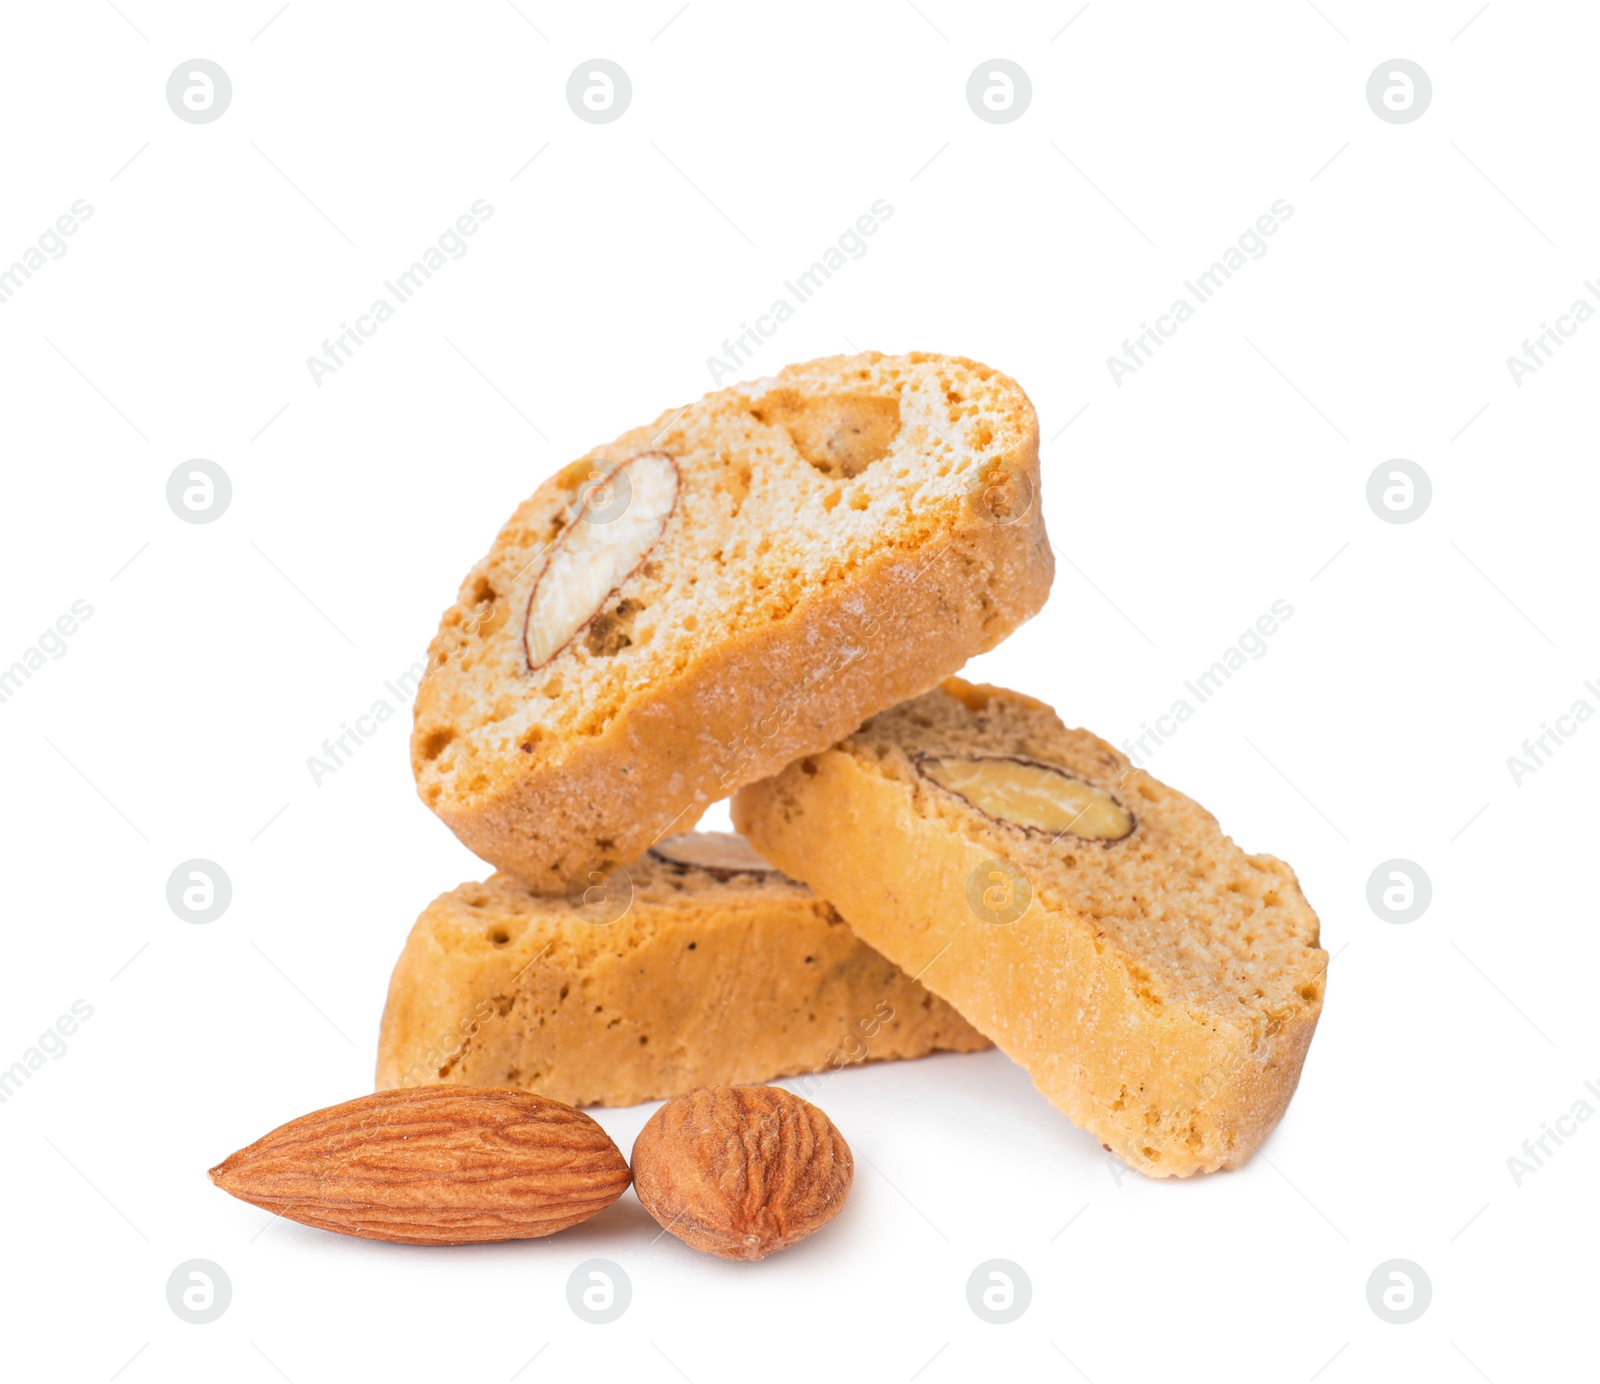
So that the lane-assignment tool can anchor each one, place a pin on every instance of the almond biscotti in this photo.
(743, 581)
(699, 964)
(1159, 985)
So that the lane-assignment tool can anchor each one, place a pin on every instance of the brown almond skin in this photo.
(433, 1165)
(741, 1171)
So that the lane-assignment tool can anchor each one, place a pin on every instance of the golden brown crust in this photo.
(1162, 990)
(797, 589)
(710, 976)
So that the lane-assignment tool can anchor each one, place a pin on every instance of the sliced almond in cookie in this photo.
(719, 853)
(1159, 985)
(620, 517)
(741, 582)
(720, 970)
(1036, 797)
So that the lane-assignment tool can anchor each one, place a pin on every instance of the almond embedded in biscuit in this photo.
(1160, 986)
(603, 677)
(711, 975)
(622, 514)
(722, 854)
(1036, 797)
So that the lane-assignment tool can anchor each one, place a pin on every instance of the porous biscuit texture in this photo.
(716, 975)
(1161, 988)
(818, 546)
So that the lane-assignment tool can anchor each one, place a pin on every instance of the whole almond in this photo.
(741, 1171)
(433, 1165)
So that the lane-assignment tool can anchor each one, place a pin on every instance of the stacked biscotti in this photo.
(765, 595)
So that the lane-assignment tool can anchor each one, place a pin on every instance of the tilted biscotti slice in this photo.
(717, 972)
(1159, 985)
(745, 580)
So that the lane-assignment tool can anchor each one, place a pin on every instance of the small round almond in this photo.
(741, 1171)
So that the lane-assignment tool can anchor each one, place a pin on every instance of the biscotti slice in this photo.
(697, 965)
(744, 580)
(1159, 985)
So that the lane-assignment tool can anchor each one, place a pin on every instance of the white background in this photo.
(1227, 473)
